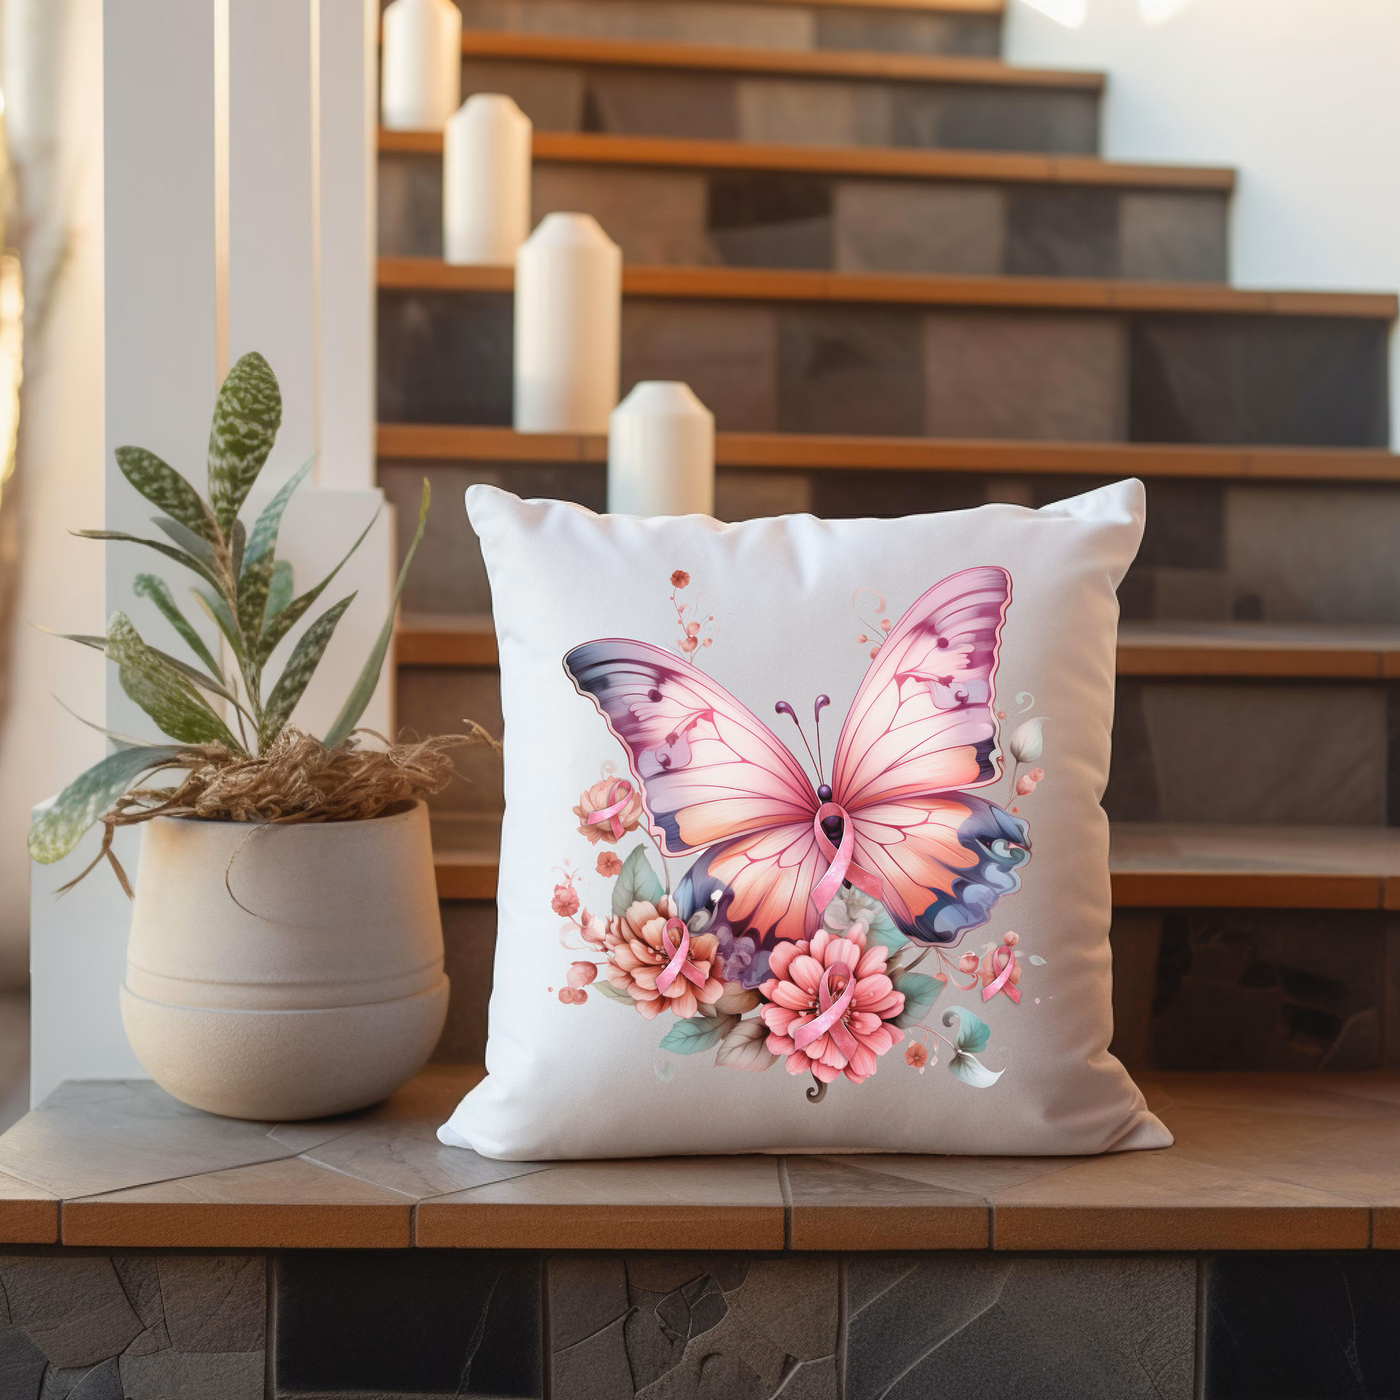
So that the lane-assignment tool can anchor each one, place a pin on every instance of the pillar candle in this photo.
(568, 319)
(661, 452)
(486, 182)
(422, 60)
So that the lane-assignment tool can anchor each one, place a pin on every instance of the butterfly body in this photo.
(896, 818)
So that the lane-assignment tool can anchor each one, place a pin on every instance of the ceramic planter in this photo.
(322, 993)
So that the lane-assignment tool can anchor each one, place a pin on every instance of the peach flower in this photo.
(565, 901)
(793, 994)
(680, 579)
(604, 794)
(608, 864)
(916, 1055)
(637, 957)
(1028, 782)
(581, 974)
(572, 996)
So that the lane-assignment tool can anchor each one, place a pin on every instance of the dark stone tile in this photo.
(655, 216)
(1268, 990)
(429, 1322)
(1132, 794)
(410, 206)
(1173, 236)
(1306, 381)
(917, 226)
(742, 494)
(102, 1382)
(1301, 1327)
(22, 1365)
(213, 1303)
(73, 1309)
(553, 95)
(813, 111)
(437, 700)
(726, 351)
(849, 370)
(642, 102)
(469, 940)
(994, 119)
(1185, 524)
(920, 1326)
(446, 358)
(693, 1327)
(1392, 752)
(173, 1375)
(895, 31)
(1059, 231)
(838, 495)
(765, 219)
(140, 1279)
(1136, 940)
(666, 21)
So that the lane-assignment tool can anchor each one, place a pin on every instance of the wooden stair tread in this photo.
(1058, 293)
(1299, 650)
(825, 63)
(951, 7)
(587, 148)
(1152, 865)
(836, 452)
(1260, 1162)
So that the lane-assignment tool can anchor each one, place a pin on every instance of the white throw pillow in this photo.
(803, 848)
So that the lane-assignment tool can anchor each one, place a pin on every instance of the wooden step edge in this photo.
(817, 452)
(472, 877)
(825, 63)
(1005, 167)
(951, 7)
(1024, 293)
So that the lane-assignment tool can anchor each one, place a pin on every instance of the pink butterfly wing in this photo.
(708, 769)
(921, 730)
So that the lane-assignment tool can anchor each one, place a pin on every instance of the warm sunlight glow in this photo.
(1160, 11)
(1070, 13)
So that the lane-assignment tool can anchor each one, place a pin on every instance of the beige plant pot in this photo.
(284, 972)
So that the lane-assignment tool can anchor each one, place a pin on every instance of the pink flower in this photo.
(608, 865)
(581, 974)
(968, 962)
(793, 994)
(565, 901)
(1026, 784)
(680, 579)
(594, 929)
(637, 957)
(688, 644)
(916, 1055)
(604, 794)
(571, 996)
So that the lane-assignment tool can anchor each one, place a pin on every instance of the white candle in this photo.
(422, 60)
(661, 452)
(486, 182)
(568, 327)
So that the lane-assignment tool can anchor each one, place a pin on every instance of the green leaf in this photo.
(920, 993)
(247, 414)
(363, 691)
(149, 586)
(263, 541)
(237, 545)
(184, 668)
(883, 929)
(604, 988)
(635, 881)
(297, 673)
(164, 487)
(973, 1031)
(745, 1047)
(283, 622)
(214, 605)
(169, 698)
(89, 796)
(186, 539)
(972, 1071)
(693, 1036)
(170, 552)
(253, 585)
(279, 590)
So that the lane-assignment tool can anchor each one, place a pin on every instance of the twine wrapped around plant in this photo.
(298, 779)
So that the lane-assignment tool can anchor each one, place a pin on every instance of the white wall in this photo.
(1301, 96)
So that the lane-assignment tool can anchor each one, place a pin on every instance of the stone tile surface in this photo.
(653, 102)
(750, 495)
(838, 495)
(554, 96)
(1061, 231)
(692, 1325)
(1009, 375)
(655, 216)
(812, 112)
(1170, 236)
(981, 1326)
(849, 370)
(410, 205)
(451, 1323)
(916, 227)
(770, 219)
(1303, 381)
(469, 939)
(908, 31)
(437, 700)
(993, 119)
(659, 21)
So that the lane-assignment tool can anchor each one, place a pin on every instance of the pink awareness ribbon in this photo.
(610, 814)
(841, 866)
(1001, 982)
(679, 953)
(832, 1013)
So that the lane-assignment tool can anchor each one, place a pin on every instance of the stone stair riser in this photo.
(956, 372)
(732, 25)
(436, 700)
(763, 218)
(1214, 551)
(794, 110)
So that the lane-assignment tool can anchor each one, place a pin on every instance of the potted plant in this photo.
(286, 956)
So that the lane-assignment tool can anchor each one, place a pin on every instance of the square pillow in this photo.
(802, 847)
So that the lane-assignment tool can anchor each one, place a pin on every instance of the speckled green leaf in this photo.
(89, 796)
(253, 585)
(247, 414)
(163, 486)
(278, 626)
(363, 691)
(169, 551)
(279, 589)
(186, 539)
(156, 589)
(263, 540)
(216, 609)
(297, 673)
(169, 698)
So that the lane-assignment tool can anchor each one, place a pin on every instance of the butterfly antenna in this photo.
(822, 701)
(783, 708)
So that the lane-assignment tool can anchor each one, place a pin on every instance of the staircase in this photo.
(901, 277)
